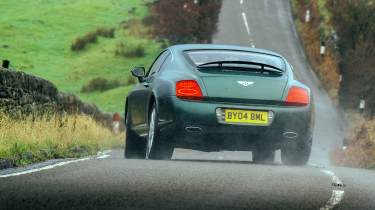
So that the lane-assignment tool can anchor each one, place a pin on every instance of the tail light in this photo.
(297, 96)
(188, 89)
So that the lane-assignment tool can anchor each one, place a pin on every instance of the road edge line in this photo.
(100, 155)
(337, 194)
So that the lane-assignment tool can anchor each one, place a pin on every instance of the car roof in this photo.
(187, 47)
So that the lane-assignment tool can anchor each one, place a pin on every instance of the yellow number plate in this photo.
(246, 117)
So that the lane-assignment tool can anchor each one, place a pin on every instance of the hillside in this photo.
(36, 37)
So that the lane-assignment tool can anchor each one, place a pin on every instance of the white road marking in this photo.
(220, 158)
(103, 154)
(337, 194)
(335, 199)
(247, 28)
(335, 179)
(100, 155)
(246, 23)
(241, 1)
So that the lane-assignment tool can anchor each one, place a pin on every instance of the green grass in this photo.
(326, 17)
(39, 34)
(112, 99)
(324, 12)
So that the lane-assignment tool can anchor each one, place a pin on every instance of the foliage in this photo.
(360, 151)
(184, 21)
(81, 42)
(355, 25)
(100, 84)
(131, 80)
(311, 33)
(130, 50)
(92, 37)
(105, 32)
(354, 22)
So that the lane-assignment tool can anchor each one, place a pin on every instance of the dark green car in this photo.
(219, 97)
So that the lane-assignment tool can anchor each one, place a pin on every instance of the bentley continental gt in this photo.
(219, 97)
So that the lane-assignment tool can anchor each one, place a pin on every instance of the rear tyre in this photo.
(157, 147)
(298, 155)
(134, 145)
(263, 156)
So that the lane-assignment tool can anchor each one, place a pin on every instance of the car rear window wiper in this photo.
(264, 67)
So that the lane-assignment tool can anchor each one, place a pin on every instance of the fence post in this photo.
(307, 16)
(322, 48)
(362, 105)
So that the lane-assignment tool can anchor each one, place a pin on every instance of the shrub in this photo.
(130, 50)
(131, 80)
(136, 28)
(360, 150)
(355, 25)
(81, 42)
(105, 32)
(100, 84)
(184, 21)
(92, 37)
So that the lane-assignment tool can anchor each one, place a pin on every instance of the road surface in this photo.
(197, 180)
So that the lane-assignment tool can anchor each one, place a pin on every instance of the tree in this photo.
(355, 25)
(185, 21)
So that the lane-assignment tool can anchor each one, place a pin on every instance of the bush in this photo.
(92, 37)
(100, 84)
(136, 28)
(131, 81)
(130, 50)
(360, 150)
(81, 42)
(355, 25)
(105, 32)
(184, 21)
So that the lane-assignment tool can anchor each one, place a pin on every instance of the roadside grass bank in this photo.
(345, 28)
(31, 140)
(360, 151)
(312, 33)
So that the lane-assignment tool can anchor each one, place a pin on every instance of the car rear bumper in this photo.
(195, 122)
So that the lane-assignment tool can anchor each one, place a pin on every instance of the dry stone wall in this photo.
(22, 94)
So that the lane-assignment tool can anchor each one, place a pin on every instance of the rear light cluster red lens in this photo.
(297, 96)
(188, 89)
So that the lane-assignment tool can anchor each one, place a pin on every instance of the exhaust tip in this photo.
(290, 135)
(193, 129)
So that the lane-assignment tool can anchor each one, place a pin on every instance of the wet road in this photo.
(220, 180)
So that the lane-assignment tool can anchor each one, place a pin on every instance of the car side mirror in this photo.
(139, 72)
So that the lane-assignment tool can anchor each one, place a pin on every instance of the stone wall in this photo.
(22, 94)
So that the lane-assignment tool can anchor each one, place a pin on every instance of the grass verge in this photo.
(311, 34)
(360, 151)
(33, 140)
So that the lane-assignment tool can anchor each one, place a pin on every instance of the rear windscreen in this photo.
(199, 57)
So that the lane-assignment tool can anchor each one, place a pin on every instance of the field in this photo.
(36, 36)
